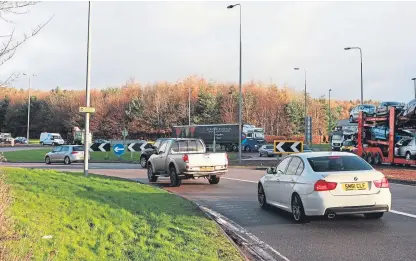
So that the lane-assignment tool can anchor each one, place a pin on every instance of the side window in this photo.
(293, 166)
(192, 146)
(200, 147)
(163, 147)
(281, 167)
(66, 148)
(300, 168)
(58, 149)
(183, 146)
(175, 147)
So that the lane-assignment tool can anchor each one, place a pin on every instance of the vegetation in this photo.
(62, 216)
(38, 155)
(149, 111)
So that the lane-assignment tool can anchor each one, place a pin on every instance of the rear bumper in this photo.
(205, 173)
(357, 210)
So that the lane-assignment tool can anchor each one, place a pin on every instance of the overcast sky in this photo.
(158, 41)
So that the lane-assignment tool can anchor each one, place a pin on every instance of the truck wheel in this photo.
(213, 180)
(247, 149)
(150, 175)
(370, 158)
(175, 181)
(143, 162)
(377, 159)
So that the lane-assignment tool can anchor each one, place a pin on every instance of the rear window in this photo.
(338, 163)
(78, 148)
(270, 147)
(392, 103)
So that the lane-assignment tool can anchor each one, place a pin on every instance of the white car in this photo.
(325, 184)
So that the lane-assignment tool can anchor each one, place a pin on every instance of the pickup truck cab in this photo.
(151, 149)
(181, 159)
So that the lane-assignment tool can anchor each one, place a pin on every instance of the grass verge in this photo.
(102, 218)
(38, 155)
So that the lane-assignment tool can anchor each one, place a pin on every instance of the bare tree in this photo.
(10, 42)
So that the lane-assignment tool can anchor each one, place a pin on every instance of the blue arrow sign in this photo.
(118, 149)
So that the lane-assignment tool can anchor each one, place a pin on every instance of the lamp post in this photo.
(297, 69)
(240, 98)
(361, 59)
(414, 83)
(329, 114)
(189, 106)
(87, 96)
(28, 106)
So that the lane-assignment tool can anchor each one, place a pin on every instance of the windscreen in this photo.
(392, 103)
(56, 137)
(348, 143)
(336, 137)
(338, 163)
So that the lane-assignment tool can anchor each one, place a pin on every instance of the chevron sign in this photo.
(287, 146)
(102, 147)
(139, 146)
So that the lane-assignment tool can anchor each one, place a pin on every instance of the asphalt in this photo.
(348, 238)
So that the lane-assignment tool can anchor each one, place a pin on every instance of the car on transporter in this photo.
(325, 184)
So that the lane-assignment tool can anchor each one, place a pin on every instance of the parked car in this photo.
(186, 159)
(66, 154)
(21, 140)
(384, 108)
(349, 145)
(408, 111)
(267, 150)
(406, 147)
(151, 149)
(367, 109)
(325, 184)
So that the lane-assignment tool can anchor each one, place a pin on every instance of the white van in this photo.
(47, 138)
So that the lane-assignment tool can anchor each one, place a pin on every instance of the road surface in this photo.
(347, 238)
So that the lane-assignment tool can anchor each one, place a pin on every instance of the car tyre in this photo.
(376, 215)
(260, 155)
(143, 162)
(298, 212)
(150, 175)
(47, 160)
(175, 181)
(261, 197)
(213, 180)
(408, 156)
(41, 143)
(351, 119)
(67, 161)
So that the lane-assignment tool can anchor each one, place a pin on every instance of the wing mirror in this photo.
(271, 170)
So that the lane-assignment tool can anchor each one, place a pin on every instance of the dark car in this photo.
(150, 150)
(384, 108)
(409, 110)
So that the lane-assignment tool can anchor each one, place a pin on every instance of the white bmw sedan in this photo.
(325, 184)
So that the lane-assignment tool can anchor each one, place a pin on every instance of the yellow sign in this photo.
(87, 109)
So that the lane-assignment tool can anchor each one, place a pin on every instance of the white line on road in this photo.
(402, 213)
(242, 180)
(392, 211)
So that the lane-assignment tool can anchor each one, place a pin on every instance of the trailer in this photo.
(223, 135)
(382, 151)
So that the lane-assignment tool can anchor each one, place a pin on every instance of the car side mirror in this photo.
(271, 170)
(160, 152)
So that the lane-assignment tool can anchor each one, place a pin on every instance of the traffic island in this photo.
(67, 216)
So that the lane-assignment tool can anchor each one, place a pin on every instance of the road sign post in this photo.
(124, 133)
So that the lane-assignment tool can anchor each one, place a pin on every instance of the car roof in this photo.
(307, 155)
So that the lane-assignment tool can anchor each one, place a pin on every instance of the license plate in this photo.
(355, 186)
(207, 168)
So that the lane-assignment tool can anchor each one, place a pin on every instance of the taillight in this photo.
(323, 185)
(382, 183)
(185, 158)
(74, 152)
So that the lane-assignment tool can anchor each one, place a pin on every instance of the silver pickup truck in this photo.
(186, 159)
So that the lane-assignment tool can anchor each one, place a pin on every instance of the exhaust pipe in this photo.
(331, 215)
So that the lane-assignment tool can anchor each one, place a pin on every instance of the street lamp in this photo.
(361, 59)
(414, 82)
(297, 69)
(28, 106)
(87, 91)
(240, 98)
(189, 105)
(329, 113)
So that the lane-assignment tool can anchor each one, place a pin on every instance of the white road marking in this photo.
(402, 213)
(243, 180)
(392, 211)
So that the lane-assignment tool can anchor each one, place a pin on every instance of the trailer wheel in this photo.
(377, 159)
(364, 156)
(370, 158)
(235, 148)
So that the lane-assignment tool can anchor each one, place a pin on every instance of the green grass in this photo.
(101, 218)
(38, 155)
(321, 147)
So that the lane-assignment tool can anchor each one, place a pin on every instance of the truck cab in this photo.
(252, 138)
